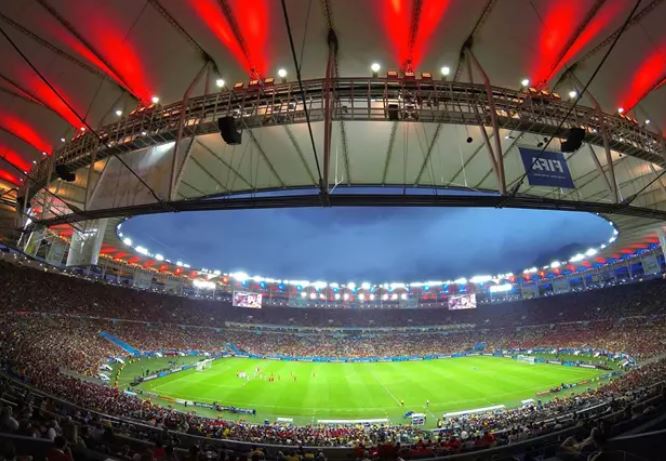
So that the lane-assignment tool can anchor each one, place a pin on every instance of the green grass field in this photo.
(309, 391)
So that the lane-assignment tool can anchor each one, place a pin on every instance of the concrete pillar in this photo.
(56, 252)
(86, 243)
(662, 240)
(34, 241)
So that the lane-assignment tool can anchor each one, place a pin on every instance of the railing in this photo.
(547, 442)
(356, 99)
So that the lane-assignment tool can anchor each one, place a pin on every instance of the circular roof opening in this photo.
(373, 244)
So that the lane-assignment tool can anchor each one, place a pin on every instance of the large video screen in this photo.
(247, 299)
(460, 302)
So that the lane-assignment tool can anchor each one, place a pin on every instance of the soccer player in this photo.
(427, 403)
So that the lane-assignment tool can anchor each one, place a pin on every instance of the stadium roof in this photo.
(103, 59)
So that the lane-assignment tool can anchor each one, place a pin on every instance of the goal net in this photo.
(205, 364)
(526, 359)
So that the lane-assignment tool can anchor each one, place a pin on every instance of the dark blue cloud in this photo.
(375, 244)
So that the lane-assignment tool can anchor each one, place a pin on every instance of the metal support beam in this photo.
(71, 29)
(175, 169)
(89, 186)
(609, 162)
(497, 153)
(600, 169)
(297, 200)
(486, 139)
(263, 154)
(299, 151)
(426, 158)
(470, 38)
(225, 163)
(659, 181)
(389, 151)
(328, 120)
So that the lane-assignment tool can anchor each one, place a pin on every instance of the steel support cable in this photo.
(582, 92)
(69, 106)
(300, 85)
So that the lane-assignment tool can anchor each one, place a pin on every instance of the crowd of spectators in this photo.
(50, 338)
(24, 289)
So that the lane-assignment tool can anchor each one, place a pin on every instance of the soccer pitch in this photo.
(307, 391)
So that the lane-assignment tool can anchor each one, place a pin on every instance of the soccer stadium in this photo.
(336, 230)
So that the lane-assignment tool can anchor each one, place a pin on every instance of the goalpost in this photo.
(526, 358)
(204, 364)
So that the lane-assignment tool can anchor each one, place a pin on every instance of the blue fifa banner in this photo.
(545, 168)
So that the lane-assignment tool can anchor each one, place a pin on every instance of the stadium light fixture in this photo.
(365, 285)
(445, 71)
(481, 279)
(141, 250)
(461, 281)
(119, 112)
(219, 83)
(375, 68)
(501, 288)
(647, 121)
(351, 285)
(591, 252)
(573, 94)
(159, 257)
(576, 258)
(555, 264)
(127, 241)
(155, 99)
(203, 284)
(620, 110)
(525, 82)
(63, 140)
(282, 72)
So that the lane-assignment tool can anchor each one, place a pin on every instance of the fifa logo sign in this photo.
(547, 165)
(545, 168)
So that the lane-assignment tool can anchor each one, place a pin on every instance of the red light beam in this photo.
(410, 29)
(650, 75)
(25, 132)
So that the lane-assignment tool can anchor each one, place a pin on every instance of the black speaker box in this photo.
(228, 130)
(574, 140)
(64, 173)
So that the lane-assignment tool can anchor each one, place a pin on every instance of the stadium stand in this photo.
(51, 350)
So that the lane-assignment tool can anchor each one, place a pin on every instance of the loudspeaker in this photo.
(393, 112)
(230, 134)
(574, 140)
(64, 173)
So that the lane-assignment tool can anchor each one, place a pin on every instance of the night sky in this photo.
(373, 244)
